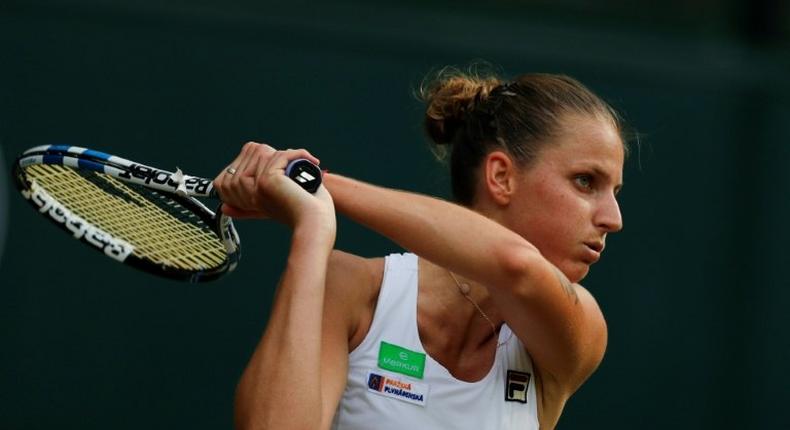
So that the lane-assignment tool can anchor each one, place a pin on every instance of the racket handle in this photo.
(304, 173)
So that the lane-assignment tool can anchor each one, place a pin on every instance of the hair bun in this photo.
(450, 97)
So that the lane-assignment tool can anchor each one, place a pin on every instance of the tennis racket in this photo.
(140, 215)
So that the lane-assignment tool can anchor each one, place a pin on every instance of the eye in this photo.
(584, 181)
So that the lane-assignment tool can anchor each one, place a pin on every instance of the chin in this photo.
(577, 272)
(573, 269)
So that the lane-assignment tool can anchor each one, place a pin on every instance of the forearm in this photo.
(271, 393)
(445, 233)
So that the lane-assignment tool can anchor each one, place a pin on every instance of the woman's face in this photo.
(565, 202)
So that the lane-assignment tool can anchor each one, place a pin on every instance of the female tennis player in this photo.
(483, 325)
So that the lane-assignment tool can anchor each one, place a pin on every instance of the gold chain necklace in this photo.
(464, 289)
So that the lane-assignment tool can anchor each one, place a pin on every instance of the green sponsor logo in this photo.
(401, 360)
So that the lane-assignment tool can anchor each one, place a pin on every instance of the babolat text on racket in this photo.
(140, 215)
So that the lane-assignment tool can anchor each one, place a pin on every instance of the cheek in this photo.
(545, 222)
(551, 235)
(558, 242)
(552, 221)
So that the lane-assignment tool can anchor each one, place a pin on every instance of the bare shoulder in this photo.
(352, 287)
(553, 391)
(353, 274)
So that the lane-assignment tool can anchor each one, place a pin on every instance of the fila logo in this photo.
(516, 386)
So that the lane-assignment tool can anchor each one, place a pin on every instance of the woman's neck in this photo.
(452, 330)
(461, 313)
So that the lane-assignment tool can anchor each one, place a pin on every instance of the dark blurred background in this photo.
(693, 289)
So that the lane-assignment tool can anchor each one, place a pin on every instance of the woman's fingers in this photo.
(279, 161)
(255, 152)
(231, 183)
(222, 180)
(255, 179)
(233, 167)
(236, 182)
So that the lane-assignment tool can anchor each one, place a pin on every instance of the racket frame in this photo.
(181, 188)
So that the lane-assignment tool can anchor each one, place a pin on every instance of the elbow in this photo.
(248, 414)
(240, 423)
(247, 421)
(260, 416)
(243, 418)
(519, 261)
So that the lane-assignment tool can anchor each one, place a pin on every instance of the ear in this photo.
(500, 177)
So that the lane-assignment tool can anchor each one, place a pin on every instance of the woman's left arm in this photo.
(559, 322)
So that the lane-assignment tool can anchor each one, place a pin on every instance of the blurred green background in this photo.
(694, 288)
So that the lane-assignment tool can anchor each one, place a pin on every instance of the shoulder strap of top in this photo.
(395, 317)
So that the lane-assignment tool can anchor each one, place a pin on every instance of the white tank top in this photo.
(394, 385)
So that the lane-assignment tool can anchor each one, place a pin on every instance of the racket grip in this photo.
(302, 171)
(306, 174)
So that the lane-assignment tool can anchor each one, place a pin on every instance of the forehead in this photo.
(586, 143)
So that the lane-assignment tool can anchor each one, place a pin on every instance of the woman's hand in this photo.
(255, 185)
(259, 188)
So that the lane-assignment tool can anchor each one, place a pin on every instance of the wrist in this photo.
(316, 230)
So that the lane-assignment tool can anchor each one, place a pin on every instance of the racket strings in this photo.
(159, 228)
(102, 181)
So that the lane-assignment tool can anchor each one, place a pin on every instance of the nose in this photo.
(608, 216)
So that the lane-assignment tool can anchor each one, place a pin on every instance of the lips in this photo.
(595, 246)
(594, 250)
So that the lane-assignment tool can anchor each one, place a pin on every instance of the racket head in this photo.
(105, 202)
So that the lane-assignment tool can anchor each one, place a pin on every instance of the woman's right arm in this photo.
(267, 395)
(305, 403)
(281, 388)
(298, 370)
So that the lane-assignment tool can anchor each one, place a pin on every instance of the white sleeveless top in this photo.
(385, 390)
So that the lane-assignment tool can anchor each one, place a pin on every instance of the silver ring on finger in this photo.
(230, 170)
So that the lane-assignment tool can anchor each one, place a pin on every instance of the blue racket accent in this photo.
(178, 193)
(52, 159)
(97, 154)
(63, 148)
(91, 165)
